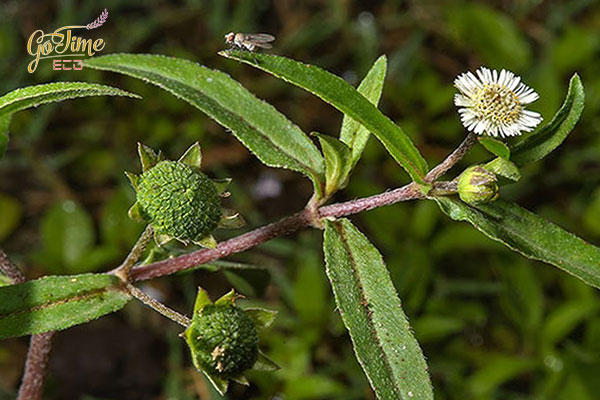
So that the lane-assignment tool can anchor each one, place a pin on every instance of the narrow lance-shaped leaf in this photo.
(371, 310)
(274, 139)
(353, 133)
(345, 98)
(54, 303)
(540, 144)
(338, 162)
(530, 235)
(33, 96)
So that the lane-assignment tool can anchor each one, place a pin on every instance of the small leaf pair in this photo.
(341, 155)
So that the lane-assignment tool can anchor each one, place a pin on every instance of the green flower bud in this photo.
(179, 201)
(477, 185)
(223, 340)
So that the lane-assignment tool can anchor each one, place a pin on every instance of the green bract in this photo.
(178, 199)
(477, 185)
(223, 339)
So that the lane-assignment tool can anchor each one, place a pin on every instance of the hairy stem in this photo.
(297, 221)
(138, 248)
(9, 269)
(158, 306)
(453, 158)
(284, 226)
(444, 188)
(36, 366)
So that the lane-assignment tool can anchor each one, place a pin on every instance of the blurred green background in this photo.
(492, 324)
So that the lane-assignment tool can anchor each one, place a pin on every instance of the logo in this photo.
(63, 46)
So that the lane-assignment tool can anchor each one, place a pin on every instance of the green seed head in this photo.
(477, 185)
(179, 201)
(223, 340)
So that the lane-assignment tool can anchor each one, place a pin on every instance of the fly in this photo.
(249, 41)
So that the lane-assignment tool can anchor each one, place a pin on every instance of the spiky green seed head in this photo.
(179, 201)
(223, 340)
(477, 185)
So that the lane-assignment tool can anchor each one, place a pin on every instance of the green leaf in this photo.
(338, 162)
(522, 298)
(564, 319)
(67, 236)
(540, 144)
(353, 133)
(54, 303)
(11, 212)
(499, 368)
(503, 167)
(345, 98)
(33, 96)
(495, 147)
(371, 310)
(4, 124)
(530, 235)
(274, 139)
(431, 328)
(493, 36)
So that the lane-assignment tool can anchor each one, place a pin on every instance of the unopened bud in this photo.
(477, 185)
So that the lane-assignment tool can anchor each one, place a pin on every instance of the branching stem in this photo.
(296, 221)
(134, 255)
(158, 306)
(453, 158)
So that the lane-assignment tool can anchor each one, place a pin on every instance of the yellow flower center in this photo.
(497, 103)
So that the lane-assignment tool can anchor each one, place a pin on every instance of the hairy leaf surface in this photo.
(371, 310)
(274, 139)
(54, 303)
(337, 92)
(33, 96)
(530, 235)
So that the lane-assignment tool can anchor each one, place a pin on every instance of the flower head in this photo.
(178, 199)
(223, 339)
(493, 103)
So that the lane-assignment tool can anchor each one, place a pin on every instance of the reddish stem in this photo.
(36, 367)
(237, 244)
(284, 226)
(9, 269)
(453, 158)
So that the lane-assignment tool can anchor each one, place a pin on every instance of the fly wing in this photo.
(259, 37)
(263, 45)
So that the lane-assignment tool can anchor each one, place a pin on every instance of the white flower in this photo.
(493, 104)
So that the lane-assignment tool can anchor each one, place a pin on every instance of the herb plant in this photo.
(178, 201)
